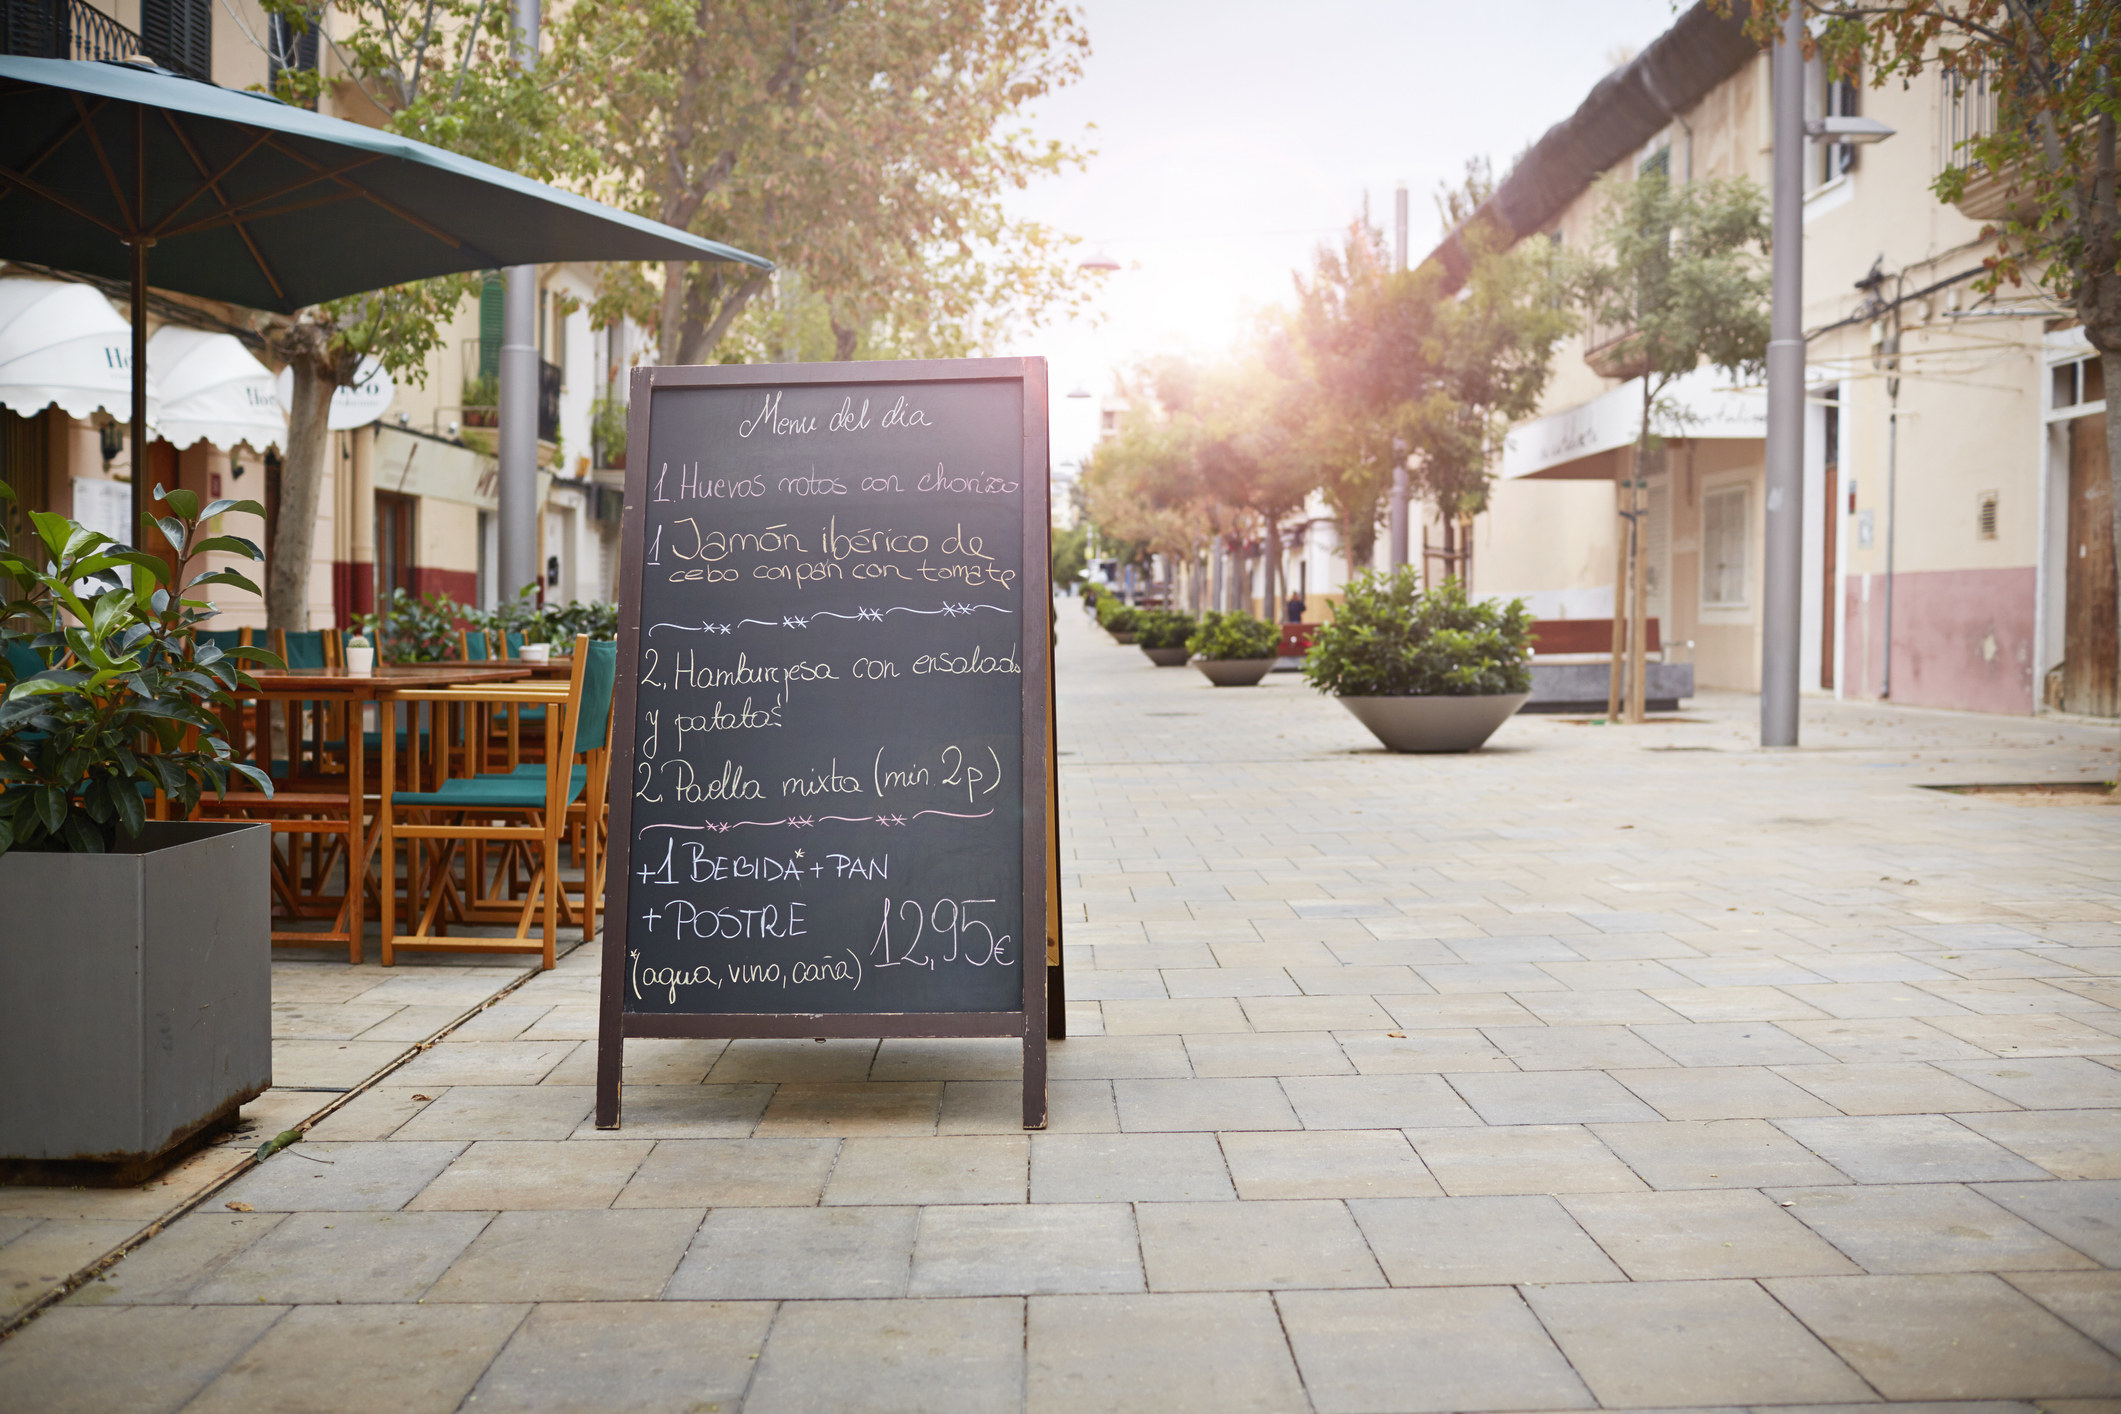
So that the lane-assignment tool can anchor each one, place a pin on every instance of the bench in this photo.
(1572, 667)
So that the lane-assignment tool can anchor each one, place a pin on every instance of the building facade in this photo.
(409, 497)
(1955, 531)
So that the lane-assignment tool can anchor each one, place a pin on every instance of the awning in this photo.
(356, 404)
(63, 343)
(1566, 446)
(213, 390)
(417, 464)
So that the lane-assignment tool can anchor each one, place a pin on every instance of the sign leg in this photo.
(1034, 1074)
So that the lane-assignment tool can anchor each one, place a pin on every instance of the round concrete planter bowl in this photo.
(1122, 639)
(1433, 724)
(1168, 657)
(1235, 672)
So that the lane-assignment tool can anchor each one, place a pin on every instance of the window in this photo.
(1967, 112)
(180, 35)
(1658, 163)
(2081, 382)
(291, 48)
(1825, 162)
(1725, 544)
(396, 546)
(493, 299)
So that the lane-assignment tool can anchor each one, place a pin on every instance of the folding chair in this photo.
(526, 810)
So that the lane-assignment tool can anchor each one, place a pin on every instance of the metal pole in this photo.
(1399, 219)
(1892, 523)
(1783, 600)
(1399, 515)
(518, 377)
(143, 502)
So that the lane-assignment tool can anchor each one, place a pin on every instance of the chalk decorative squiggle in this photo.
(860, 615)
(806, 822)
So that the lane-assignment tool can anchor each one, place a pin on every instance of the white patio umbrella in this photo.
(213, 390)
(63, 343)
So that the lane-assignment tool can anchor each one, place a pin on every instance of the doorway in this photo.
(395, 543)
(2091, 662)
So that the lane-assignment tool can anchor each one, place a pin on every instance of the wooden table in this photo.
(319, 792)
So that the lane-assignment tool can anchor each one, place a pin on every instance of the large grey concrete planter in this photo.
(1123, 639)
(1434, 723)
(1235, 672)
(135, 998)
(1168, 657)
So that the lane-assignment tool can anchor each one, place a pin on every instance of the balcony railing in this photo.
(1613, 350)
(71, 29)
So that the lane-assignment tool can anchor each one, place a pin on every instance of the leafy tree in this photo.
(444, 72)
(1357, 346)
(1141, 489)
(1070, 554)
(866, 148)
(1680, 271)
(2054, 70)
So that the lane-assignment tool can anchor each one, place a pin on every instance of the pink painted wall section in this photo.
(1961, 639)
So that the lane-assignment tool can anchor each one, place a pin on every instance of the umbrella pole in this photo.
(140, 491)
(141, 241)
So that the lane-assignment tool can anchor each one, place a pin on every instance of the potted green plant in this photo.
(1234, 650)
(360, 656)
(1117, 617)
(1162, 635)
(1423, 670)
(136, 979)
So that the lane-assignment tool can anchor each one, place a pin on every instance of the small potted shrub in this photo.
(1117, 617)
(1423, 670)
(1235, 650)
(1162, 635)
(136, 966)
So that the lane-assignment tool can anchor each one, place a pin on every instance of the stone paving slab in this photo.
(333, 1026)
(1576, 1073)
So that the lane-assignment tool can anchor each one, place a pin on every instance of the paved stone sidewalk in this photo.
(334, 1026)
(1610, 1067)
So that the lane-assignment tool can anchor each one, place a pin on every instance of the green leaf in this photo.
(172, 530)
(233, 544)
(253, 775)
(131, 813)
(225, 576)
(80, 838)
(223, 507)
(51, 806)
(184, 503)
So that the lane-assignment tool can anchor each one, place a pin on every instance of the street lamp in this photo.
(1847, 130)
(1099, 262)
(1782, 609)
(1079, 391)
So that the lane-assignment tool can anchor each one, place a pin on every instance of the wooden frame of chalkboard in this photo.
(1028, 1020)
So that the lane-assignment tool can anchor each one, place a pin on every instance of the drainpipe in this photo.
(1892, 482)
(519, 391)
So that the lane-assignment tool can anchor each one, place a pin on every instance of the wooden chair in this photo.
(524, 811)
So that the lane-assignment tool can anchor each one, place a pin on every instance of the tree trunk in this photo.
(301, 488)
(1617, 659)
(2110, 369)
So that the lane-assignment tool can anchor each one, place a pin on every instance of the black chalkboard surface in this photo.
(829, 777)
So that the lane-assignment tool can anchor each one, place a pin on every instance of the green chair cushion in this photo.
(490, 792)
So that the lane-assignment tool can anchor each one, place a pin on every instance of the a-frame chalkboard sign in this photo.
(829, 769)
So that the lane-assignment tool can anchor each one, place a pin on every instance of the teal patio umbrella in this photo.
(138, 174)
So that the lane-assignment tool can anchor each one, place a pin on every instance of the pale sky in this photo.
(1233, 136)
